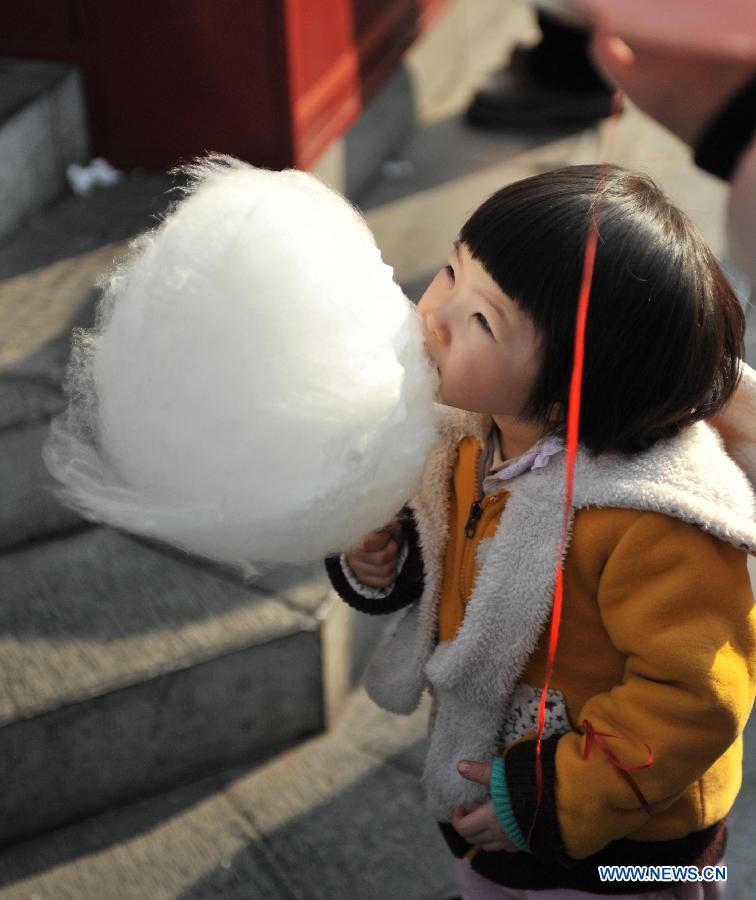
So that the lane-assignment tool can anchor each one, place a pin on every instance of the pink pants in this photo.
(473, 886)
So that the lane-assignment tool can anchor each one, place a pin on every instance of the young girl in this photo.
(655, 668)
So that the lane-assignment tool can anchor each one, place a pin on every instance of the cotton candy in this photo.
(256, 388)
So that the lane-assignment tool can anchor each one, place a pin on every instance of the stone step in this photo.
(339, 817)
(127, 668)
(42, 129)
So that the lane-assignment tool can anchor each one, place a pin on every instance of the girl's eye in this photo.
(449, 271)
(483, 322)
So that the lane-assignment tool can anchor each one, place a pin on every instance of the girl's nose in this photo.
(436, 326)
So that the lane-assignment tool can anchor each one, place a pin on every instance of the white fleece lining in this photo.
(473, 676)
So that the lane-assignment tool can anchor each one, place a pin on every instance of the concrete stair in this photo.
(127, 671)
(338, 817)
(42, 129)
(127, 668)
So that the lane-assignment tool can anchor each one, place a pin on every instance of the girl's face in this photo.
(487, 350)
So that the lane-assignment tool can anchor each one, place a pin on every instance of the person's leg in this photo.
(473, 886)
(698, 890)
(561, 57)
(551, 83)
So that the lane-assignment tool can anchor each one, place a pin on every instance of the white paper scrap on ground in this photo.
(256, 388)
(98, 173)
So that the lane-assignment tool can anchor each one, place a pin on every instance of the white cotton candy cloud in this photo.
(256, 388)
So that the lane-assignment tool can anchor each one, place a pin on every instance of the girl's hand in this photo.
(481, 826)
(373, 561)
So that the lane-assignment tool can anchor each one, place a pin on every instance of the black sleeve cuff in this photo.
(726, 136)
(545, 841)
(407, 588)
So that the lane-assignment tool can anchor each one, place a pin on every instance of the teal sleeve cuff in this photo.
(503, 805)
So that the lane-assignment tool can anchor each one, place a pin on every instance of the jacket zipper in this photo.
(476, 507)
(476, 511)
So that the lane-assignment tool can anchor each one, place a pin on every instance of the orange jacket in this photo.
(657, 646)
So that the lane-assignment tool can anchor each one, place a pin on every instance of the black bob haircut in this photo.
(664, 338)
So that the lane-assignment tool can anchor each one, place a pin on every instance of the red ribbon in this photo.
(571, 443)
(597, 737)
(573, 424)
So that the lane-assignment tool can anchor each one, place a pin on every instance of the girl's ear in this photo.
(736, 423)
(556, 412)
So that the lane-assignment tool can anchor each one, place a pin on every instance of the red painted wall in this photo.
(270, 81)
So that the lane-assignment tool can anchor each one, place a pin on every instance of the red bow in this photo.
(597, 737)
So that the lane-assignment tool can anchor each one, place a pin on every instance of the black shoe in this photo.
(513, 99)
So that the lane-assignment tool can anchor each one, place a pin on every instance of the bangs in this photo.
(665, 331)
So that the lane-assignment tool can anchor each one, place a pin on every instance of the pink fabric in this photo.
(473, 886)
(499, 471)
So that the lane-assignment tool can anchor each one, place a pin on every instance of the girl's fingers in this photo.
(375, 541)
(475, 771)
(376, 581)
(480, 826)
(477, 834)
(373, 576)
(480, 818)
(379, 540)
(458, 813)
(483, 837)
(372, 565)
(494, 847)
(362, 567)
(374, 562)
(394, 528)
